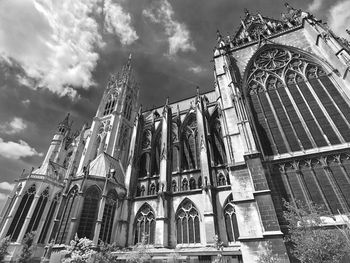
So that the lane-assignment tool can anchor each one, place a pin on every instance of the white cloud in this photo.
(339, 18)
(7, 186)
(14, 126)
(119, 22)
(2, 198)
(56, 42)
(178, 35)
(315, 5)
(16, 150)
(196, 69)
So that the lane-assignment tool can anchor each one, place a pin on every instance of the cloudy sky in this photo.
(56, 56)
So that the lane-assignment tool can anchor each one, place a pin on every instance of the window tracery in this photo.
(295, 104)
(48, 220)
(21, 213)
(89, 213)
(145, 223)
(108, 216)
(190, 149)
(38, 211)
(187, 223)
(66, 216)
(109, 107)
(231, 220)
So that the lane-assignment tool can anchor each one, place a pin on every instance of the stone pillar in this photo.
(256, 215)
(100, 213)
(209, 218)
(161, 237)
(75, 216)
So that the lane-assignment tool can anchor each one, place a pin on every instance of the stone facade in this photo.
(276, 126)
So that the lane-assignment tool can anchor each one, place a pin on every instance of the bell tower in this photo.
(110, 131)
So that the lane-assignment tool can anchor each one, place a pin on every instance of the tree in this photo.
(268, 256)
(79, 251)
(105, 253)
(139, 253)
(311, 240)
(4, 244)
(27, 251)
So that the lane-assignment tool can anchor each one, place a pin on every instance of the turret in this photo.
(62, 132)
(113, 122)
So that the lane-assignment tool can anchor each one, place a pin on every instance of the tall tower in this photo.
(111, 127)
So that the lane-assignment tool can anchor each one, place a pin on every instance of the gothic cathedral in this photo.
(214, 166)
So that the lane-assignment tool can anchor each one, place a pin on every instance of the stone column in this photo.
(161, 236)
(209, 218)
(100, 212)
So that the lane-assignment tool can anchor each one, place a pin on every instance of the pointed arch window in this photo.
(175, 159)
(109, 107)
(49, 218)
(190, 152)
(200, 181)
(231, 220)
(21, 213)
(38, 211)
(89, 213)
(187, 223)
(221, 180)
(184, 184)
(157, 146)
(143, 189)
(66, 216)
(174, 186)
(217, 142)
(144, 165)
(192, 183)
(145, 224)
(152, 189)
(295, 105)
(108, 216)
(128, 107)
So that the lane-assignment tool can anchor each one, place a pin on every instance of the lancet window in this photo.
(187, 223)
(190, 152)
(38, 211)
(21, 213)
(66, 216)
(145, 225)
(108, 216)
(296, 105)
(89, 213)
(231, 220)
(219, 156)
(144, 165)
(48, 219)
(157, 148)
(109, 107)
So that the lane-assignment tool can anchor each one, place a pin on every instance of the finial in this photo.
(246, 11)
(218, 35)
(348, 31)
(178, 110)
(197, 90)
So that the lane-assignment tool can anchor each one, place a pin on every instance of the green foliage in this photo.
(139, 253)
(4, 244)
(268, 256)
(79, 251)
(105, 253)
(311, 240)
(27, 250)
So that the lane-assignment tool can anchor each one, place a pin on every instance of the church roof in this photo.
(103, 164)
(50, 169)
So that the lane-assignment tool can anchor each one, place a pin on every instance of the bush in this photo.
(79, 251)
(4, 244)
(311, 240)
(27, 250)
